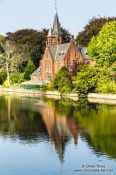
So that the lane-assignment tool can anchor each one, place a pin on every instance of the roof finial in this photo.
(56, 6)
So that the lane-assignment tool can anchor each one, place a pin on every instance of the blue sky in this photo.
(37, 14)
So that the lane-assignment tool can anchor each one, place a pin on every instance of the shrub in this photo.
(29, 70)
(2, 76)
(85, 80)
(64, 85)
(105, 85)
(60, 82)
(5, 84)
(17, 78)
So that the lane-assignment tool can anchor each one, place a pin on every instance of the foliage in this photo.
(88, 79)
(85, 80)
(103, 47)
(31, 43)
(111, 72)
(92, 29)
(102, 77)
(22, 51)
(29, 70)
(1, 38)
(18, 78)
(10, 61)
(20, 54)
(6, 84)
(2, 76)
(60, 82)
(105, 85)
(65, 35)
(64, 85)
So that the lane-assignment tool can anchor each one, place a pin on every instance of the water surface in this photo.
(53, 137)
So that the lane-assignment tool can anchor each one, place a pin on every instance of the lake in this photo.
(40, 136)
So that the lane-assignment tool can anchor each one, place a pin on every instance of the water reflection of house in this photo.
(60, 128)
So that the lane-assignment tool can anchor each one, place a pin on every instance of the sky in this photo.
(39, 14)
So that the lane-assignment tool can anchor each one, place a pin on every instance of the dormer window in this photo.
(61, 53)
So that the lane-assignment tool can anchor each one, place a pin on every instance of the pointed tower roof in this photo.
(56, 26)
(50, 32)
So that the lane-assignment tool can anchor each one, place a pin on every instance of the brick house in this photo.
(58, 54)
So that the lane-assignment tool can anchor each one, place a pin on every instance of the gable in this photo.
(47, 55)
(72, 52)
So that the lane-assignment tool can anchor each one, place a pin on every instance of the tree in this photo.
(64, 85)
(107, 81)
(61, 81)
(111, 72)
(31, 43)
(85, 80)
(29, 70)
(17, 78)
(103, 47)
(106, 85)
(1, 38)
(92, 29)
(65, 35)
(9, 61)
(2, 75)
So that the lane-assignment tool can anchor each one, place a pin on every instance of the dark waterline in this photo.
(53, 137)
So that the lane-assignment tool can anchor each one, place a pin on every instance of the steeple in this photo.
(55, 34)
(56, 26)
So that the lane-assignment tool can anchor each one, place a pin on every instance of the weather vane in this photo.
(56, 6)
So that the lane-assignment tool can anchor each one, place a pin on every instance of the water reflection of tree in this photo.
(21, 119)
(98, 127)
(60, 120)
(95, 123)
(18, 121)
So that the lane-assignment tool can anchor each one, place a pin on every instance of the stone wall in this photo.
(92, 97)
